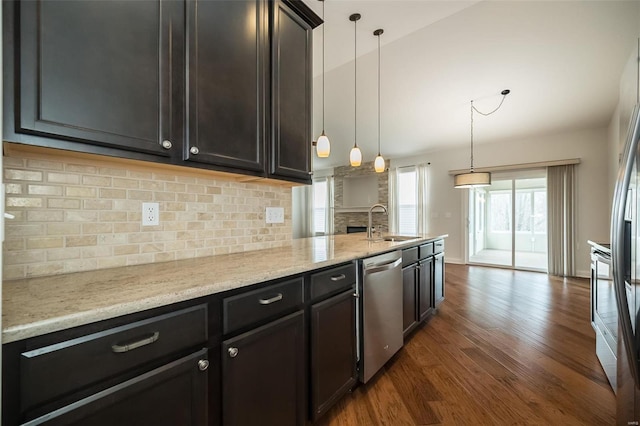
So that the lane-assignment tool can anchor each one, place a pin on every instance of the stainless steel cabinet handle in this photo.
(166, 144)
(203, 364)
(274, 299)
(194, 150)
(233, 352)
(137, 344)
(338, 277)
(356, 295)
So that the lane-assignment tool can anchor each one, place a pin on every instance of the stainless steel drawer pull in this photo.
(137, 344)
(233, 352)
(274, 299)
(338, 277)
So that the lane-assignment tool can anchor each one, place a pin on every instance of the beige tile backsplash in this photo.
(77, 214)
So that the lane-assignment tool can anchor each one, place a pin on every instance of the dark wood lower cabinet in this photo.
(438, 279)
(333, 351)
(174, 394)
(425, 275)
(410, 298)
(263, 375)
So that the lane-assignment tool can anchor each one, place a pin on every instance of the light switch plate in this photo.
(150, 214)
(275, 215)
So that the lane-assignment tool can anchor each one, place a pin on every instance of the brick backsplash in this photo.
(78, 214)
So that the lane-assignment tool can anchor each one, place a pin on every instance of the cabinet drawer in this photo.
(426, 250)
(333, 280)
(409, 256)
(52, 371)
(438, 246)
(254, 306)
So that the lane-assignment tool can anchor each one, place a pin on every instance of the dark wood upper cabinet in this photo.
(291, 81)
(223, 85)
(101, 73)
(227, 70)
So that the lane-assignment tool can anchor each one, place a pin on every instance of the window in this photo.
(408, 202)
(500, 211)
(319, 207)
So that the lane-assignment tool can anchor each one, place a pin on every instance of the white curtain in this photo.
(392, 204)
(423, 199)
(330, 211)
(561, 220)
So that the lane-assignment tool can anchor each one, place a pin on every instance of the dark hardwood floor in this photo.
(506, 347)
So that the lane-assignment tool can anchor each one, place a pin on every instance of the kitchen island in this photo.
(280, 321)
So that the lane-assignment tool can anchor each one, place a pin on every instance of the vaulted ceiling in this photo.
(562, 61)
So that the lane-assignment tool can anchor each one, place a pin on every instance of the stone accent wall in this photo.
(343, 219)
(77, 214)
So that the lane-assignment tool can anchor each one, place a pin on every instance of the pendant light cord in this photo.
(472, 108)
(504, 95)
(378, 95)
(323, 25)
(355, 82)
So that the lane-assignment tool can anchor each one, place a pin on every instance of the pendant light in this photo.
(378, 164)
(323, 146)
(476, 179)
(355, 156)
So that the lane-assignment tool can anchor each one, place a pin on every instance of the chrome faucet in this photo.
(370, 227)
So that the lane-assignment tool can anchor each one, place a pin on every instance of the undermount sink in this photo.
(396, 238)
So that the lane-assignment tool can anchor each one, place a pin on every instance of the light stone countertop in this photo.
(36, 306)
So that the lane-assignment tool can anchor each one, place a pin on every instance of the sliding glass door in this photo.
(508, 221)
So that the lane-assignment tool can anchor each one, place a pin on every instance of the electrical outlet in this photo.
(150, 214)
(275, 215)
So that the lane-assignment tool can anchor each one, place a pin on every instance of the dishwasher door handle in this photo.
(383, 266)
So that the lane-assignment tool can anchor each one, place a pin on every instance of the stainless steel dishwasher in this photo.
(381, 304)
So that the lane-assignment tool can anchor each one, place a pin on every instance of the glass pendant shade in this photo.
(323, 146)
(378, 164)
(355, 156)
(472, 180)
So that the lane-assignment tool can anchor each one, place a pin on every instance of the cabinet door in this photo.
(103, 73)
(291, 56)
(333, 350)
(438, 279)
(226, 42)
(263, 375)
(410, 298)
(174, 394)
(425, 274)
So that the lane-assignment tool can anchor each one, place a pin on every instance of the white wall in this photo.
(447, 205)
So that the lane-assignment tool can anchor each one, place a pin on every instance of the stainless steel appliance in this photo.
(625, 262)
(604, 311)
(381, 307)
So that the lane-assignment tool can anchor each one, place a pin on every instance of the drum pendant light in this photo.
(476, 179)
(355, 156)
(323, 146)
(378, 164)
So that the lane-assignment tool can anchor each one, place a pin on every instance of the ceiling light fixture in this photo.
(355, 156)
(476, 179)
(378, 164)
(323, 146)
